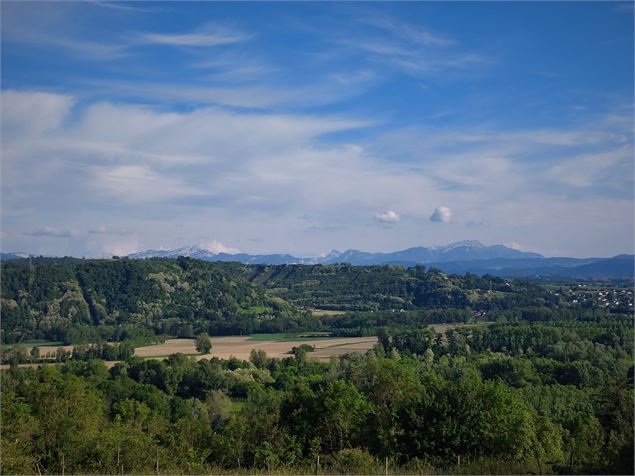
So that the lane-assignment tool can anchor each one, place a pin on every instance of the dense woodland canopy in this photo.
(80, 301)
(541, 384)
(507, 398)
(84, 301)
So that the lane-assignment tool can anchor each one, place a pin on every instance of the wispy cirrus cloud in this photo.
(103, 230)
(328, 89)
(410, 49)
(53, 27)
(124, 6)
(405, 31)
(210, 34)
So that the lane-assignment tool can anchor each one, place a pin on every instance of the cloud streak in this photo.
(48, 232)
(208, 35)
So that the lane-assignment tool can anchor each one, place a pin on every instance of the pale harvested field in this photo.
(240, 347)
(46, 349)
(170, 346)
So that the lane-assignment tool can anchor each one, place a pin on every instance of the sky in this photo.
(306, 127)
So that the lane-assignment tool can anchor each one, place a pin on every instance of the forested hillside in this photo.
(365, 288)
(73, 300)
(81, 301)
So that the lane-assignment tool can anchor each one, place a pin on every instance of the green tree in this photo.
(259, 358)
(203, 343)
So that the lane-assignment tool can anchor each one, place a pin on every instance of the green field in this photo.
(282, 337)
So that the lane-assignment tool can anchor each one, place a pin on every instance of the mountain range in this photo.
(459, 251)
(462, 257)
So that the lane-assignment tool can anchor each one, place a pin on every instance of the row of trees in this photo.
(104, 351)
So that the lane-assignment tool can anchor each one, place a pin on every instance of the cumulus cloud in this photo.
(390, 217)
(442, 214)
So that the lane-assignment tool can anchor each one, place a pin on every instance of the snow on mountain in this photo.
(458, 244)
(200, 251)
(459, 251)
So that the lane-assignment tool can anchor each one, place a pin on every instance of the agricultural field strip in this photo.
(241, 347)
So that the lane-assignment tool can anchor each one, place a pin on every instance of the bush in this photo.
(353, 461)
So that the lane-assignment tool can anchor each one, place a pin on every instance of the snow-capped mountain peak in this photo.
(459, 244)
(199, 250)
(216, 247)
(458, 251)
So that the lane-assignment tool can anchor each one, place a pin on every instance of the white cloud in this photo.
(585, 170)
(266, 93)
(208, 35)
(102, 230)
(217, 247)
(411, 49)
(56, 26)
(53, 26)
(32, 113)
(389, 217)
(241, 176)
(412, 33)
(441, 214)
(138, 183)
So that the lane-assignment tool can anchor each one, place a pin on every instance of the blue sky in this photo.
(302, 127)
